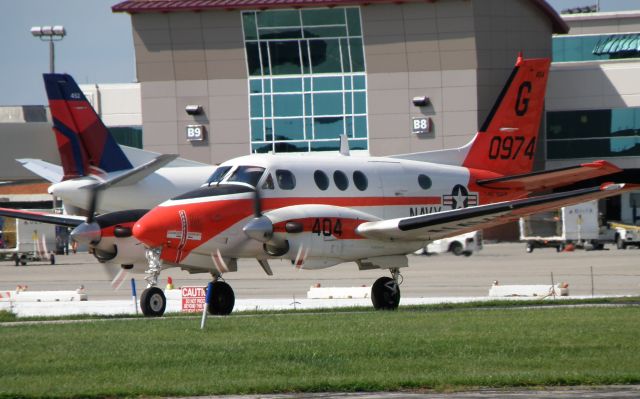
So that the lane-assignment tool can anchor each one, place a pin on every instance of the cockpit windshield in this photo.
(246, 174)
(218, 174)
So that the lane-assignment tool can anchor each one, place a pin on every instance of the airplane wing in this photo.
(547, 179)
(46, 170)
(42, 217)
(457, 221)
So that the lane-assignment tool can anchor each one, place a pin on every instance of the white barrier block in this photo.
(338, 292)
(528, 290)
(44, 296)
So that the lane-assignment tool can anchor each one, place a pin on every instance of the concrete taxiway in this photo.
(615, 272)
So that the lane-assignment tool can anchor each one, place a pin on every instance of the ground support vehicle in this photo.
(626, 235)
(26, 241)
(579, 225)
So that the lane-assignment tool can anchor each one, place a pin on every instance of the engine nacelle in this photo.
(318, 236)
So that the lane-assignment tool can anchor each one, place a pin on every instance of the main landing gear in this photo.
(385, 292)
(222, 298)
(152, 301)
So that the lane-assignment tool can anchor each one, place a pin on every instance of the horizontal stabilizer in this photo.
(458, 221)
(46, 170)
(138, 173)
(547, 179)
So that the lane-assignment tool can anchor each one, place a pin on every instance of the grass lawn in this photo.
(348, 351)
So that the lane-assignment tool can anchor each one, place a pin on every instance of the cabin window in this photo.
(321, 179)
(247, 174)
(218, 174)
(360, 180)
(286, 179)
(424, 181)
(340, 179)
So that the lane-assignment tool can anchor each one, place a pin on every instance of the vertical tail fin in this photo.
(85, 144)
(507, 140)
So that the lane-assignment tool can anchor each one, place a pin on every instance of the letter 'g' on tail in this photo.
(85, 144)
(507, 140)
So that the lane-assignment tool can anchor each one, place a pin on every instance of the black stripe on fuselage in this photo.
(213, 191)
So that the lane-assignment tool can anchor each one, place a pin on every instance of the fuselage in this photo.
(159, 186)
(316, 190)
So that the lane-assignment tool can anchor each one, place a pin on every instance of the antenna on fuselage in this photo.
(344, 145)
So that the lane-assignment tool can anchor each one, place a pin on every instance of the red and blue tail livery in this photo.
(85, 144)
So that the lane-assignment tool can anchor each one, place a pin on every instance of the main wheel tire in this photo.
(221, 299)
(620, 244)
(456, 248)
(385, 294)
(153, 302)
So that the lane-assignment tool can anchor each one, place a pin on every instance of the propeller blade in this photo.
(93, 202)
(257, 204)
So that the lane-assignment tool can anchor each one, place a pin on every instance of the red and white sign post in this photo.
(193, 299)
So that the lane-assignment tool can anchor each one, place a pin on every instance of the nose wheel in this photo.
(222, 299)
(385, 292)
(153, 302)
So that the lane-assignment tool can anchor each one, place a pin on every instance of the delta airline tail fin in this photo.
(85, 144)
(506, 142)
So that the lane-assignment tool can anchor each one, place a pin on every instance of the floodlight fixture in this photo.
(49, 33)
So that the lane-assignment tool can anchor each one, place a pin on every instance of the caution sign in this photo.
(193, 299)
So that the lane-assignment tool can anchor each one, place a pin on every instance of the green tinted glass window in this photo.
(593, 133)
(257, 130)
(325, 31)
(256, 106)
(353, 18)
(249, 25)
(287, 105)
(280, 33)
(278, 18)
(333, 145)
(255, 86)
(357, 55)
(253, 59)
(289, 129)
(359, 102)
(327, 104)
(360, 123)
(328, 16)
(328, 128)
(307, 78)
(332, 83)
(287, 85)
(325, 56)
(285, 58)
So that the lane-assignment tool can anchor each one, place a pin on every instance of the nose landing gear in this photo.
(152, 301)
(385, 292)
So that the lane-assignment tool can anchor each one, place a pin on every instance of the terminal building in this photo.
(222, 78)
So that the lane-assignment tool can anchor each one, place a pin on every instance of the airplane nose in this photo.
(151, 229)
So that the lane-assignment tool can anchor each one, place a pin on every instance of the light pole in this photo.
(50, 34)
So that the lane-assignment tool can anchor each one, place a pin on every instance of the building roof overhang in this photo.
(147, 6)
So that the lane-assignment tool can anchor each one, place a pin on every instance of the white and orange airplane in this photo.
(318, 210)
